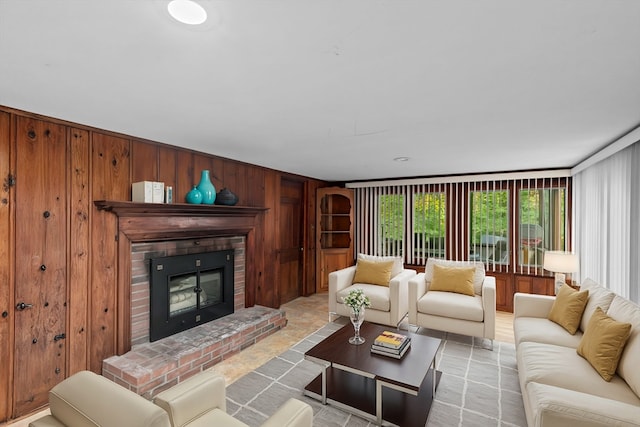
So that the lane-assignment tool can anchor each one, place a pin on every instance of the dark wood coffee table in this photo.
(378, 388)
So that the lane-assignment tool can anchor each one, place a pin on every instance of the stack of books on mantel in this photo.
(391, 344)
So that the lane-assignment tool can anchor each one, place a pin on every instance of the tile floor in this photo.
(304, 316)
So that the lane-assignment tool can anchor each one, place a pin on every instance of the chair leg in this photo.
(400, 321)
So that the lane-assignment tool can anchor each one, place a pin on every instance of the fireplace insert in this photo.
(189, 290)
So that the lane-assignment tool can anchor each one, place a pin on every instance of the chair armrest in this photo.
(417, 287)
(399, 293)
(532, 305)
(193, 397)
(489, 306)
(86, 398)
(294, 413)
(338, 280)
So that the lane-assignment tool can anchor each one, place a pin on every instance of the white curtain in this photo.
(606, 212)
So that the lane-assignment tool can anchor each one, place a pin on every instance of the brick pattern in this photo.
(150, 368)
(141, 253)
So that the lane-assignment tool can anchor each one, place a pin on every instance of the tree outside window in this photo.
(391, 223)
(489, 226)
(429, 226)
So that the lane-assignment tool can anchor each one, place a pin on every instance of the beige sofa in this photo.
(473, 315)
(86, 399)
(560, 387)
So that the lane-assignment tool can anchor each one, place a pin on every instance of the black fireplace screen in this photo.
(189, 290)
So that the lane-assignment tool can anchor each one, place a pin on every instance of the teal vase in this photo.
(194, 196)
(207, 189)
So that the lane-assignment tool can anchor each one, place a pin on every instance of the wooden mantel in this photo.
(177, 209)
(145, 222)
(148, 222)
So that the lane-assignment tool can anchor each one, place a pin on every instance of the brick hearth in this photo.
(148, 368)
(153, 367)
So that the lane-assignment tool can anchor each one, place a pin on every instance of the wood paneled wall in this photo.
(102, 165)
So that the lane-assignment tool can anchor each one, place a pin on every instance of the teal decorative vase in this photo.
(194, 196)
(207, 189)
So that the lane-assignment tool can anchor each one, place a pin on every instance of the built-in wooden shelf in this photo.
(123, 208)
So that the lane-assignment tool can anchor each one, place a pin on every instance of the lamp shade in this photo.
(561, 262)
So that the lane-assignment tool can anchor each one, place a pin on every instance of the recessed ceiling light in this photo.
(187, 12)
(401, 159)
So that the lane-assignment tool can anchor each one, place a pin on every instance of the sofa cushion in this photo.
(453, 279)
(562, 367)
(568, 307)
(373, 272)
(603, 342)
(379, 296)
(448, 304)
(398, 262)
(598, 297)
(542, 330)
(623, 310)
(478, 277)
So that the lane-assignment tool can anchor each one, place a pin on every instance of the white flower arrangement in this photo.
(356, 300)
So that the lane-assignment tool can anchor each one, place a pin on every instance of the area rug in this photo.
(479, 387)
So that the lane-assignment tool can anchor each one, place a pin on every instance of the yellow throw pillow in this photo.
(373, 272)
(453, 279)
(603, 342)
(568, 307)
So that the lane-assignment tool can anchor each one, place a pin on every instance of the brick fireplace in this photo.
(141, 253)
(147, 231)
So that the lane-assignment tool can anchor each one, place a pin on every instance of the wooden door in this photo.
(6, 251)
(291, 240)
(40, 263)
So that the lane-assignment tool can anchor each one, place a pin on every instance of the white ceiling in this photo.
(336, 89)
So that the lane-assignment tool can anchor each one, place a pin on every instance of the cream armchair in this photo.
(389, 298)
(472, 314)
(87, 399)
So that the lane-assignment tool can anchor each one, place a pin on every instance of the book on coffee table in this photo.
(396, 353)
(390, 339)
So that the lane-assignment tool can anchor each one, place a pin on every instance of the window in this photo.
(542, 223)
(391, 223)
(429, 225)
(507, 222)
(489, 226)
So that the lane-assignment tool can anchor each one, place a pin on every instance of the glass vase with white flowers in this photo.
(357, 301)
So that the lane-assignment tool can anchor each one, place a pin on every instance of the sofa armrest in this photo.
(294, 413)
(399, 293)
(194, 397)
(489, 306)
(338, 280)
(532, 305)
(417, 288)
(555, 406)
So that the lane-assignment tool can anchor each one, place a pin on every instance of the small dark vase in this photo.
(226, 197)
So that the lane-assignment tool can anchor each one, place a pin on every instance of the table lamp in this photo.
(560, 262)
